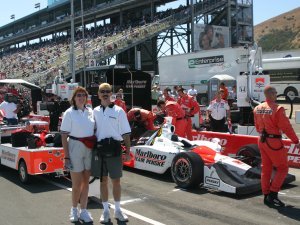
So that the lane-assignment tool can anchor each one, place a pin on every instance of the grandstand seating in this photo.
(41, 64)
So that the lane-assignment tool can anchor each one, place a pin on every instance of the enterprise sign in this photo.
(196, 62)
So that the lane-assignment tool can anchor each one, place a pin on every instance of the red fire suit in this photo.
(272, 118)
(191, 107)
(121, 103)
(169, 98)
(147, 118)
(174, 110)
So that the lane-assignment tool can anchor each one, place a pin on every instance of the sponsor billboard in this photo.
(210, 37)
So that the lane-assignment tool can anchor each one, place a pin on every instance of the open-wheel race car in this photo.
(196, 162)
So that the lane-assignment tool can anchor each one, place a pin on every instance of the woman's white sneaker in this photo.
(73, 215)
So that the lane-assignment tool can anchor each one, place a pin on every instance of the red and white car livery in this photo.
(194, 162)
(43, 160)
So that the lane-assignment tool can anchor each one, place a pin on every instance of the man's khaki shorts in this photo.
(80, 156)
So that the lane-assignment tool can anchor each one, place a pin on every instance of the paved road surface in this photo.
(148, 199)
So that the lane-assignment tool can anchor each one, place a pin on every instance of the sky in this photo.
(263, 9)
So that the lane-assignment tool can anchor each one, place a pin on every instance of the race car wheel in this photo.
(250, 155)
(23, 173)
(187, 169)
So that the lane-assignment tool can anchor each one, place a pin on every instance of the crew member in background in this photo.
(192, 91)
(167, 96)
(217, 111)
(232, 96)
(173, 109)
(225, 94)
(174, 92)
(9, 109)
(120, 102)
(143, 117)
(271, 121)
(191, 108)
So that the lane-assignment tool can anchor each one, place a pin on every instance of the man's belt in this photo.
(273, 136)
(181, 118)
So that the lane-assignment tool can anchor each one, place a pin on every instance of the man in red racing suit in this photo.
(142, 116)
(191, 107)
(271, 122)
(173, 109)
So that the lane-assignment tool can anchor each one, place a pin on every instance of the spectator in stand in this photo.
(225, 89)
(217, 111)
(192, 91)
(167, 96)
(120, 102)
(191, 108)
(143, 117)
(173, 109)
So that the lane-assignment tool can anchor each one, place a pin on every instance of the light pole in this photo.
(72, 58)
(83, 43)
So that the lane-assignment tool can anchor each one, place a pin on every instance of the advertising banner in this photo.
(210, 37)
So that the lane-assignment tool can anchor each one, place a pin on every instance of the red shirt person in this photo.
(174, 110)
(271, 122)
(225, 93)
(142, 116)
(167, 95)
(191, 108)
(120, 102)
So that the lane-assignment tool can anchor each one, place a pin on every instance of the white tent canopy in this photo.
(21, 82)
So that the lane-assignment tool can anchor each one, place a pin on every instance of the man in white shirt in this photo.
(217, 111)
(9, 110)
(111, 123)
(192, 91)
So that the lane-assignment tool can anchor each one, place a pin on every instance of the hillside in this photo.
(279, 33)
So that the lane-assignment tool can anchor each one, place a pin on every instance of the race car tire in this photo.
(250, 154)
(23, 173)
(187, 170)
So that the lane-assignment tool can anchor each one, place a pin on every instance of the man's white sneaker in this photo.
(105, 217)
(85, 216)
(119, 215)
(73, 215)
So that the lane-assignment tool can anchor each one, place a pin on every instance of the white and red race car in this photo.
(194, 162)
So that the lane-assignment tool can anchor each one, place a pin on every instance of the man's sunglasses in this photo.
(105, 91)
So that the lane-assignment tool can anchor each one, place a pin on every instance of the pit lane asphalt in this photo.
(148, 198)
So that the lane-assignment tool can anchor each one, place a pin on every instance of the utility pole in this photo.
(72, 56)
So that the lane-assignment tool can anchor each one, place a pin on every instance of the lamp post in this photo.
(72, 58)
(83, 43)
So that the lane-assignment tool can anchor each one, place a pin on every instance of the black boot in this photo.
(265, 199)
(272, 200)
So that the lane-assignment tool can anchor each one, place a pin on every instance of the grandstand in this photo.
(113, 29)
